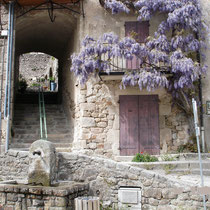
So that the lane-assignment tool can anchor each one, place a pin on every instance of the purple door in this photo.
(139, 124)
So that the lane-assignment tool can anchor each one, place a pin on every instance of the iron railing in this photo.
(43, 124)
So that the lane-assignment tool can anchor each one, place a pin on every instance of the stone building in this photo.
(98, 116)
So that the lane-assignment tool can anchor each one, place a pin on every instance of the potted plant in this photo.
(52, 84)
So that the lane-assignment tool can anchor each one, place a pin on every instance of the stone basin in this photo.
(60, 196)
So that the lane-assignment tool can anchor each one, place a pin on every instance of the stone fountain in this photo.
(42, 161)
(42, 191)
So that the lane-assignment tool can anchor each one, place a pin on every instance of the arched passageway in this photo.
(36, 33)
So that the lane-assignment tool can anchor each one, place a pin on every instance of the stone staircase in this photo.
(26, 126)
(182, 164)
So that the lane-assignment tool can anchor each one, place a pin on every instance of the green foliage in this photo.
(35, 85)
(144, 158)
(190, 146)
(52, 79)
(180, 149)
(34, 69)
(167, 157)
(168, 168)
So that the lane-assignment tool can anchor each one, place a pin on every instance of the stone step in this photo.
(30, 141)
(179, 156)
(56, 123)
(26, 126)
(206, 172)
(33, 130)
(33, 98)
(173, 165)
(26, 146)
(27, 107)
(36, 136)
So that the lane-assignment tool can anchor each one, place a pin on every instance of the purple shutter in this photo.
(142, 32)
(149, 135)
(129, 142)
(139, 124)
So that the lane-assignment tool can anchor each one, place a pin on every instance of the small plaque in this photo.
(129, 196)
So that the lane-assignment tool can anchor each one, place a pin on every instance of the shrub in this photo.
(144, 157)
(167, 157)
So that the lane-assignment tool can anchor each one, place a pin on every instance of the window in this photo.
(139, 31)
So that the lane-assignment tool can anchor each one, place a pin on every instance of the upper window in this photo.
(139, 31)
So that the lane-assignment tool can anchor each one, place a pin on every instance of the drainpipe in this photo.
(10, 75)
(201, 101)
(8, 58)
(201, 115)
(2, 71)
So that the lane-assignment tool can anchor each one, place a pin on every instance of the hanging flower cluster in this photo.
(158, 55)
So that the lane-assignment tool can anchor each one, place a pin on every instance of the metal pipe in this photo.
(44, 114)
(8, 58)
(197, 131)
(201, 100)
(40, 113)
(11, 59)
(10, 74)
(2, 70)
(201, 112)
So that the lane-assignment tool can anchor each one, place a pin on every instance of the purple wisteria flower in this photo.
(163, 60)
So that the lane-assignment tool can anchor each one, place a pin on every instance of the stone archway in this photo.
(36, 33)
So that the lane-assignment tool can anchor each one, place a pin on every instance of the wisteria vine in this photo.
(158, 56)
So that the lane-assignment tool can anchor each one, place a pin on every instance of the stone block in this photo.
(92, 145)
(38, 202)
(87, 106)
(91, 99)
(165, 109)
(182, 135)
(165, 135)
(12, 197)
(12, 153)
(42, 159)
(60, 202)
(86, 122)
(152, 193)
(116, 124)
(102, 124)
(162, 121)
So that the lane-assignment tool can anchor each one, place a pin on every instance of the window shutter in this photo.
(141, 30)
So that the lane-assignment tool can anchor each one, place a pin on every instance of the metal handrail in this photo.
(42, 113)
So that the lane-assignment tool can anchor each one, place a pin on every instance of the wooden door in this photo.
(129, 143)
(139, 124)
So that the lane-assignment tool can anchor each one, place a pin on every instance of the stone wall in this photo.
(14, 165)
(35, 66)
(95, 106)
(25, 197)
(105, 177)
(97, 111)
(3, 51)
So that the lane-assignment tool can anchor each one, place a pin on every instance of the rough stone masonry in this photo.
(105, 177)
